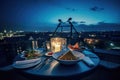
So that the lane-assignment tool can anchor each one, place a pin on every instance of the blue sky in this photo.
(39, 13)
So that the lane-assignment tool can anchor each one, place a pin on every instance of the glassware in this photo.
(64, 47)
(48, 46)
(34, 44)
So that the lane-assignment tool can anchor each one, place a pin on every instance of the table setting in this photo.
(56, 62)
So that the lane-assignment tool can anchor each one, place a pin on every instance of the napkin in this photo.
(88, 61)
(78, 54)
(23, 62)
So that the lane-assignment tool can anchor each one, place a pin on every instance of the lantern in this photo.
(57, 43)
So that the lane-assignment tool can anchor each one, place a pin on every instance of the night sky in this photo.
(43, 15)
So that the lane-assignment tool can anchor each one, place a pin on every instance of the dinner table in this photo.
(50, 69)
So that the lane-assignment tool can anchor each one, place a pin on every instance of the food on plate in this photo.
(68, 56)
(31, 54)
(50, 53)
(74, 47)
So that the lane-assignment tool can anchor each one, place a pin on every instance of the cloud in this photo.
(71, 9)
(82, 22)
(99, 27)
(95, 8)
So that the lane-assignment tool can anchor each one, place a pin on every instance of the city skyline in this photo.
(79, 27)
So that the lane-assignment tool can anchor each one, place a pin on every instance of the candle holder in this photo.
(57, 43)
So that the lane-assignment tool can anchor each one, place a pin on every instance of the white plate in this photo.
(26, 63)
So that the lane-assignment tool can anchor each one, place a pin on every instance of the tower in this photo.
(71, 27)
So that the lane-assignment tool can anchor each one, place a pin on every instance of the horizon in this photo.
(80, 28)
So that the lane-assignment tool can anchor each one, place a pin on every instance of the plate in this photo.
(79, 55)
(26, 63)
(49, 54)
(35, 55)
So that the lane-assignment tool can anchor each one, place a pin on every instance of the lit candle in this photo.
(56, 44)
(57, 48)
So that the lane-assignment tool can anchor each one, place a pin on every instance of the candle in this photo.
(57, 48)
(56, 44)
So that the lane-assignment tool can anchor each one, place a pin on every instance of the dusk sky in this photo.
(44, 14)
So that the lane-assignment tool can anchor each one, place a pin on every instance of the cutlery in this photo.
(42, 63)
(46, 62)
(49, 61)
(37, 66)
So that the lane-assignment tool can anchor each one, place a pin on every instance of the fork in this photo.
(46, 62)
(37, 66)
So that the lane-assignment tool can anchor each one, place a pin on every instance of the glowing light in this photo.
(56, 44)
(91, 41)
(112, 44)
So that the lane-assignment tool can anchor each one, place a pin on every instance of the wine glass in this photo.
(64, 47)
(48, 47)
